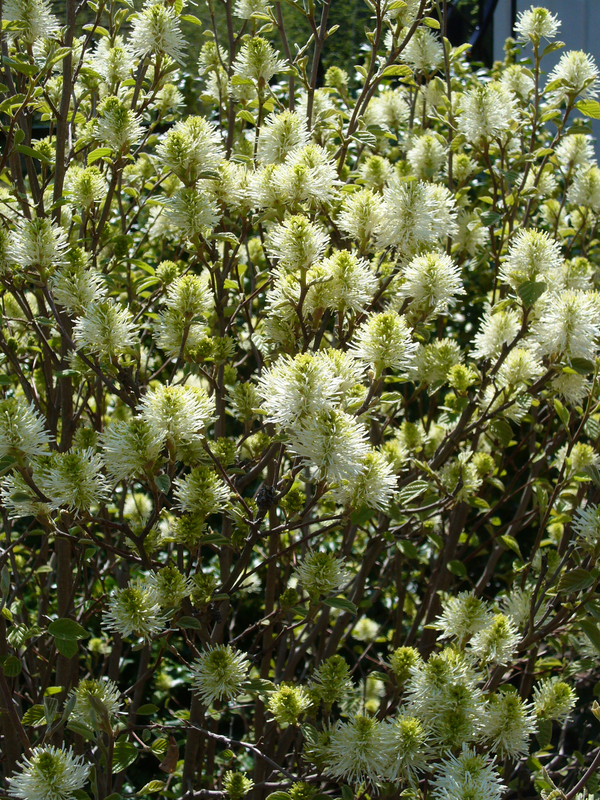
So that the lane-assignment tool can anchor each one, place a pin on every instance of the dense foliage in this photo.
(300, 410)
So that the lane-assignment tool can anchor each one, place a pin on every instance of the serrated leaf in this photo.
(246, 116)
(397, 71)
(163, 482)
(544, 733)
(152, 787)
(407, 548)
(490, 218)
(123, 756)
(511, 544)
(193, 20)
(410, 492)
(81, 730)
(531, 291)
(342, 604)
(594, 473)
(258, 686)
(361, 515)
(99, 152)
(575, 580)
(590, 108)
(67, 629)
(562, 412)
(215, 538)
(147, 709)
(30, 151)
(501, 429)
(583, 366)
(11, 666)
(66, 647)
(552, 47)
(189, 622)
(34, 716)
(592, 632)
(457, 568)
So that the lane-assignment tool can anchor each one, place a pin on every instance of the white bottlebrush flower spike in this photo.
(321, 573)
(39, 244)
(49, 773)
(219, 672)
(86, 709)
(35, 19)
(22, 430)
(134, 610)
(333, 443)
(358, 750)
(74, 479)
(156, 31)
(297, 243)
(535, 24)
(469, 776)
(431, 282)
(508, 724)
(384, 342)
(462, 616)
(296, 389)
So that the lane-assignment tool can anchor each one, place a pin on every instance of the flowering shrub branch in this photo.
(300, 409)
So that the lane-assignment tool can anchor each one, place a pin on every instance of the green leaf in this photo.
(152, 787)
(361, 515)
(432, 23)
(163, 482)
(562, 412)
(193, 20)
(490, 218)
(511, 544)
(11, 666)
(67, 629)
(147, 710)
(66, 647)
(20, 66)
(501, 429)
(278, 796)
(407, 548)
(99, 152)
(457, 568)
(29, 151)
(589, 108)
(189, 622)
(347, 793)
(260, 686)
(34, 716)
(81, 730)
(592, 632)
(544, 732)
(594, 473)
(215, 538)
(411, 491)
(531, 291)
(575, 580)
(552, 47)
(124, 755)
(583, 366)
(79, 794)
(342, 604)
(397, 71)
(246, 116)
